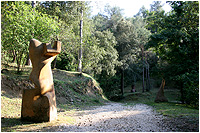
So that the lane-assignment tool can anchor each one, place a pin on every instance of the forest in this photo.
(110, 68)
(117, 51)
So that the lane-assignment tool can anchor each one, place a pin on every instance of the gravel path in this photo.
(116, 117)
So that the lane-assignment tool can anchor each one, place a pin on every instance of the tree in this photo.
(109, 21)
(100, 22)
(69, 15)
(20, 24)
(80, 49)
(177, 45)
(141, 38)
(156, 6)
(123, 35)
(28, 61)
(154, 17)
(114, 16)
(130, 36)
(101, 55)
(143, 12)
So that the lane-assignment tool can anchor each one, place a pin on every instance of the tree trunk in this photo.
(18, 59)
(33, 4)
(182, 94)
(147, 73)
(143, 80)
(122, 82)
(54, 63)
(80, 49)
(146, 78)
(142, 49)
(14, 56)
(28, 61)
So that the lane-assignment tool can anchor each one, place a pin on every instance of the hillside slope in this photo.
(74, 91)
(76, 88)
(71, 88)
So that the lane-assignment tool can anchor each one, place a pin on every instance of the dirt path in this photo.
(118, 117)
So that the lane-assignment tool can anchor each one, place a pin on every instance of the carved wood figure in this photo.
(39, 103)
(160, 97)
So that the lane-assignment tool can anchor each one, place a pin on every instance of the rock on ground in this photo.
(117, 117)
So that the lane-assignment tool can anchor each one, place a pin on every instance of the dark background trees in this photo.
(177, 46)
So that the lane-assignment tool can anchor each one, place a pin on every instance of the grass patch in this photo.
(173, 108)
(10, 107)
(11, 117)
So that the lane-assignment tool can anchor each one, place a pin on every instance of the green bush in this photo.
(191, 88)
(110, 86)
(65, 62)
(189, 85)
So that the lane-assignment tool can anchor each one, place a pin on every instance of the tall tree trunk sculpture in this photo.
(160, 95)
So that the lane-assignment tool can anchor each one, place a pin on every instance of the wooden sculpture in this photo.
(39, 103)
(160, 97)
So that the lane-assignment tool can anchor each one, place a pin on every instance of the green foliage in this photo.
(69, 16)
(65, 62)
(143, 12)
(20, 24)
(110, 85)
(125, 46)
(100, 22)
(190, 87)
(131, 35)
(100, 55)
(177, 45)
(156, 6)
(153, 17)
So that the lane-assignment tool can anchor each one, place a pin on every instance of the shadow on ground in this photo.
(9, 124)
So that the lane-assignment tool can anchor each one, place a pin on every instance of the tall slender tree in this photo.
(80, 49)
(141, 38)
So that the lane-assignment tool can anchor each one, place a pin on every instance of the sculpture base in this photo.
(38, 108)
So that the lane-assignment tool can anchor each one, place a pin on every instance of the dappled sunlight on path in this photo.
(117, 117)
